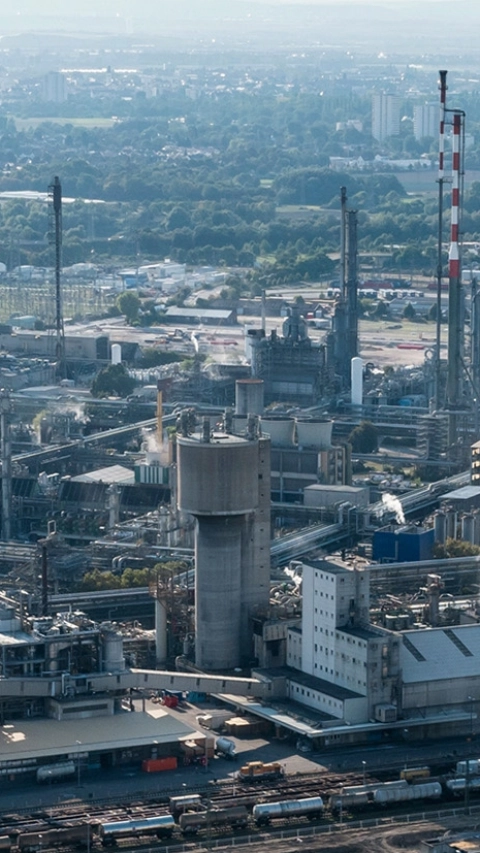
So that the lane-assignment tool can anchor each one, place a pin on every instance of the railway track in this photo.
(144, 805)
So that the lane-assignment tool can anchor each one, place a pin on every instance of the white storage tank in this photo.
(356, 381)
(281, 430)
(468, 528)
(116, 354)
(314, 432)
(113, 659)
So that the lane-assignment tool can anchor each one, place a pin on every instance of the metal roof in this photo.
(51, 738)
(211, 313)
(439, 654)
(110, 474)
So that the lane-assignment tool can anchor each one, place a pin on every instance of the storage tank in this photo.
(440, 527)
(239, 425)
(356, 366)
(468, 528)
(476, 527)
(113, 659)
(280, 429)
(249, 396)
(314, 432)
(116, 354)
(452, 521)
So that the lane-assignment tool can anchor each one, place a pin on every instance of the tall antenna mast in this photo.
(55, 190)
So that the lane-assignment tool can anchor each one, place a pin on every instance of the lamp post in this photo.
(79, 743)
(364, 766)
(471, 700)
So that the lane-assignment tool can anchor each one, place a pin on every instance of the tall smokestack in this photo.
(343, 239)
(56, 195)
(441, 178)
(454, 373)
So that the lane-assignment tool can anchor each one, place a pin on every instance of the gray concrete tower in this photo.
(224, 481)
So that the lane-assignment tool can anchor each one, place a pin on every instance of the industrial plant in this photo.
(294, 530)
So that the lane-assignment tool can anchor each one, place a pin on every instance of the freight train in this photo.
(190, 815)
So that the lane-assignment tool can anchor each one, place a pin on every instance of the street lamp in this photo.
(471, 700)
(79, 743)
(364, 766)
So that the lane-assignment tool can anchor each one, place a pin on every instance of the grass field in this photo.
(27, 123)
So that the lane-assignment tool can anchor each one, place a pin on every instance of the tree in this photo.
(113, 380)
(364, 437)
(129, 305)
(381, 310)
(409, 312)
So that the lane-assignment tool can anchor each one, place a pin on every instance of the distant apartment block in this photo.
(54, 88)
(385, 116)
(425, 121)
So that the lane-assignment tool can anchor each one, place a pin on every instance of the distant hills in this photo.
(407, 27)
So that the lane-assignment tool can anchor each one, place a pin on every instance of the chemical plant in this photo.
(285, 566)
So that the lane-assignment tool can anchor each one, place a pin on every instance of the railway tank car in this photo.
(456, 787)
(311, 807)
(423, 791)
(162, 826)
(235, 817)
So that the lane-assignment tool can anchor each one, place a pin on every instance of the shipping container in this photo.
(157, 765)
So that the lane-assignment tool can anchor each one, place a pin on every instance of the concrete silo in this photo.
(224, 481)
(249, 395)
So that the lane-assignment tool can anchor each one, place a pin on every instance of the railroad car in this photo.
(355, 797)
(161, 825)
(257, 771)
(473, 767)
(56, 772)
(79, 835)
(311, 807)
(411, 773)
(5, 843)
(349, 802)
(456, 787)
(188, 802)
(235, 817)
(423, 791)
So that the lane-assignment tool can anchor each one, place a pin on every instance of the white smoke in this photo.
(151, 444)
(194, 340)
(392, 504)
(291, 573)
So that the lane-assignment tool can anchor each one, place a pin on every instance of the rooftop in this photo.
(111, 474)
(436, 654)
(49, 738)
